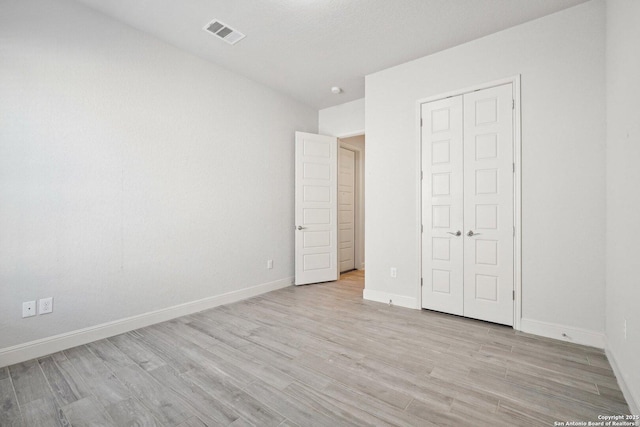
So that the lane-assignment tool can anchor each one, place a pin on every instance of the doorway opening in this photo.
(351, 164)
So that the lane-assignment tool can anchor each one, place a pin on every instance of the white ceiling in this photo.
(303, 47)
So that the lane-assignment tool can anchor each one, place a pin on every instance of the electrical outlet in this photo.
(28, 309)
(394, 272)
(45, 305)
(269, 264)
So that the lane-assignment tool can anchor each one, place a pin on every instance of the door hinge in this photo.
(514, 167)
(421, 175)
(513, 295)
(421, 228)
(514, 230)
(421, 282)
(420, 121)
(513, 104)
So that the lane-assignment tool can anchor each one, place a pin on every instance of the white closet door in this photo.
(442, 206)
(346, 208)
(488, 205)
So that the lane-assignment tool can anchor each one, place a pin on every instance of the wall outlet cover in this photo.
(45, 305)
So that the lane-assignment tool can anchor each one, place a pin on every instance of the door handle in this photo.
(471, 233)
(457, 233)
(300, 227)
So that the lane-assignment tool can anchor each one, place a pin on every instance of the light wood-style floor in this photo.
(316, 355)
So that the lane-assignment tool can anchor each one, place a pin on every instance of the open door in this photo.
(316, 208)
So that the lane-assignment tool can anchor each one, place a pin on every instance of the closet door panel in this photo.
(442, 205)
(488, 205)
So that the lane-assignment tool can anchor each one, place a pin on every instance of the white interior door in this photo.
(442, 206)
(316, 243)
(488, 205)
(468, 187)
(346, 208)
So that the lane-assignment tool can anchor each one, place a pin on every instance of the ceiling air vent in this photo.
(223, 31)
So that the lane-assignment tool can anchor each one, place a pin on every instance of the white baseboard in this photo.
(563, 333)
(42, 347)
(399, 300)
(632, 401)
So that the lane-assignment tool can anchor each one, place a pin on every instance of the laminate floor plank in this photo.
(44, 412)
(552, 388)
(362, 384)
(205, 406)
(528, 396)
(127, 344)
(333, 407)
(251, 409)
(193, 422)
(29, 382)
(291, 408)
(166, 349)
(165, 405)
(614, 394)
(523, 414)
(110, 354)
(88, 412)
(209, 360)
(97, 376)
(377, 408)
(229, 337)
(253, 366)
(59, 356)
(563, 380)
(192, 335)
(290, 367)
(130, 412)
(227, 318)
(65, 382)
(415, 386)
(313, 356)
(9, 409)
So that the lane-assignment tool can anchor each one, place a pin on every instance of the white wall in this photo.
(623, 199)
(342, 120)
(133, 176)
(561, 60)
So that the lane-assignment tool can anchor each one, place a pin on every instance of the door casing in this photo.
(517, 184)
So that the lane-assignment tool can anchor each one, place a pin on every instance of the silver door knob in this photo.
(471, 233)
(457, 233)
(300, 227)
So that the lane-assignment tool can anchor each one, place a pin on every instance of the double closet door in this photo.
(468, 205)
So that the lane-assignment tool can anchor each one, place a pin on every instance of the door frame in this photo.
(359, 200)
(517, 185)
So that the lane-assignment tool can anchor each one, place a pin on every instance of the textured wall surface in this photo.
(133, 176)
(623, 199)
(561, 62)
(341, 120)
